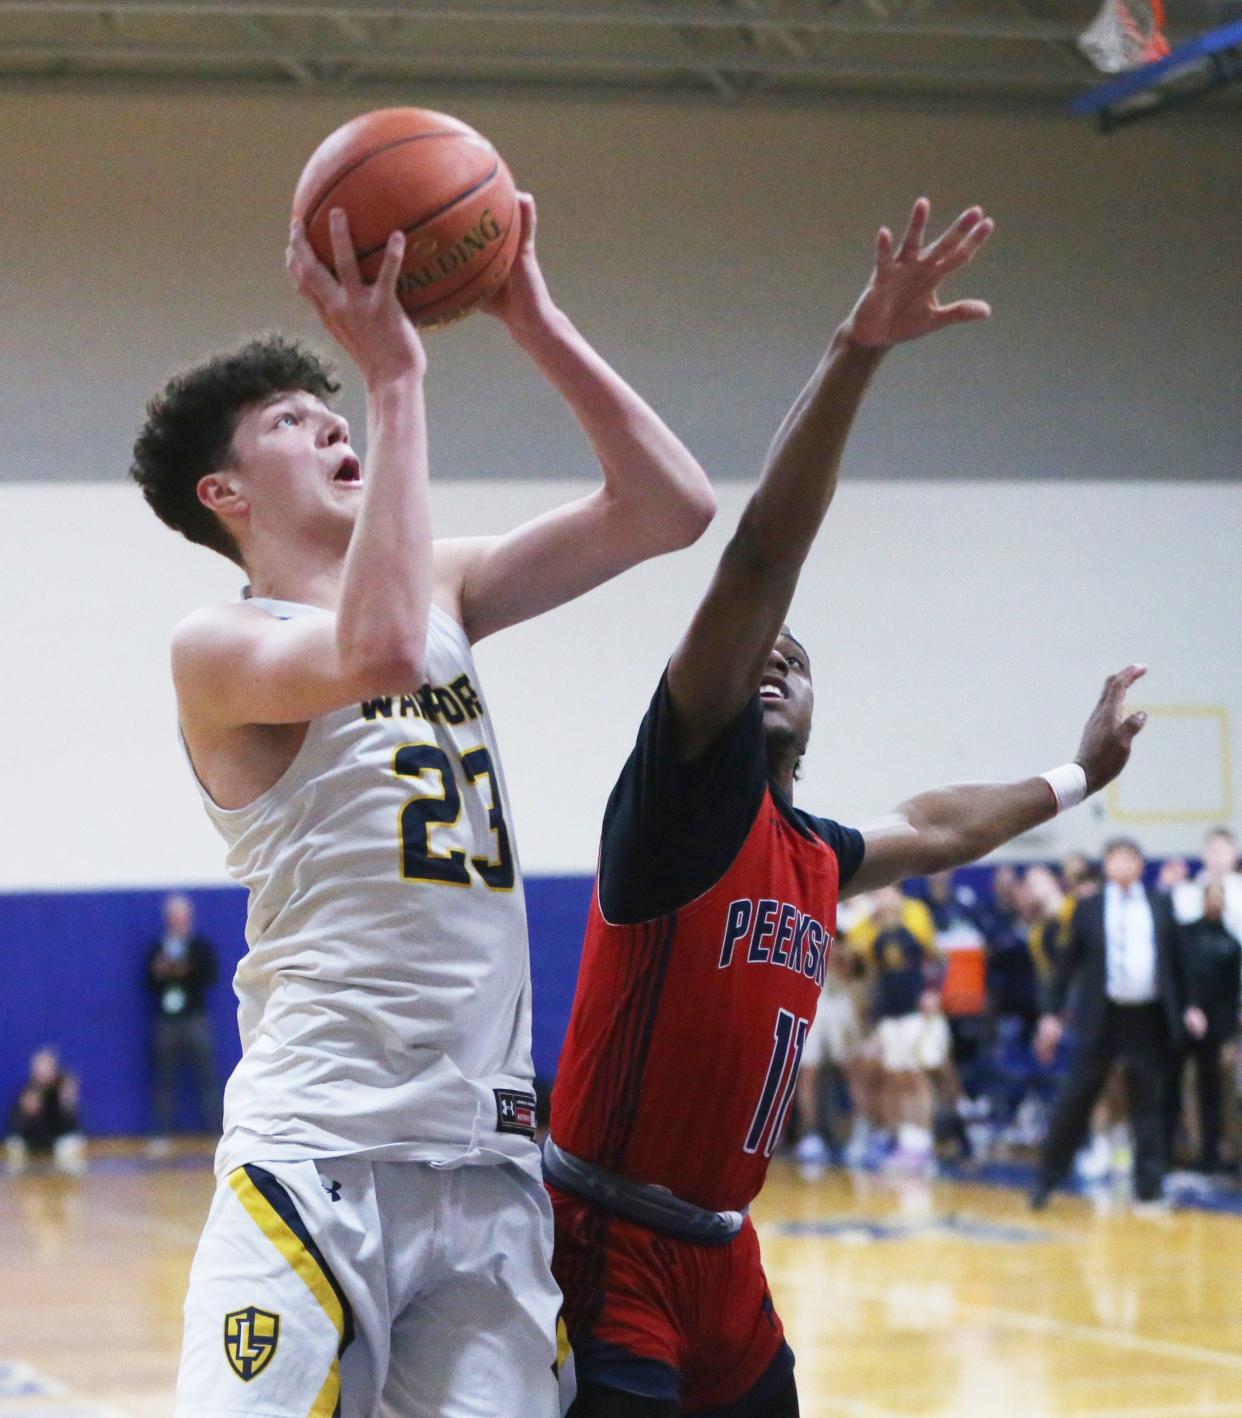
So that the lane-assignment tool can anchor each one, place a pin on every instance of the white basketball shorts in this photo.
(913, 1042)
(342, 1288)
(835, 1035)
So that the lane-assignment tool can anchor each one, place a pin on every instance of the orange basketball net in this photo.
(1125, 34)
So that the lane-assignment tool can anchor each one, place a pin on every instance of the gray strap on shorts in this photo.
(643, 1202)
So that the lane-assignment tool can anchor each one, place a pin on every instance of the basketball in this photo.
(433, 178)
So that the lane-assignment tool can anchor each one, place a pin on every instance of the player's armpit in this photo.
(236, 665)
(495, 582)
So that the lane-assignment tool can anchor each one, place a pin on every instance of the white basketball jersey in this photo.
(384, 1003)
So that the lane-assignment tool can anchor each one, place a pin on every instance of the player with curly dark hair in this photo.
(380, 1238)
(191, 422)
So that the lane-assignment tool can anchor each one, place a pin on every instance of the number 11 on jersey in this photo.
(789, 1037)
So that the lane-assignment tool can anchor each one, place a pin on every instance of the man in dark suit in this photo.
(1122, 969)
(1212, 969)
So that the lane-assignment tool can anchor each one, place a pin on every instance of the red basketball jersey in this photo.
(687, 1030)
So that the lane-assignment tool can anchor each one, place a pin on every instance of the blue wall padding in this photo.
(71, 974)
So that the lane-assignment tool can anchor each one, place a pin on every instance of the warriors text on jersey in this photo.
(702, 966)
(384, 1003)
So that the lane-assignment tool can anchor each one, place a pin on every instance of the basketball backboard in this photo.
(1189, 71)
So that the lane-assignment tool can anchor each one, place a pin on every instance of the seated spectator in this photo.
(43, 1122)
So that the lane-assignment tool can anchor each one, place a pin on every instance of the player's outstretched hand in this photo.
(1105, 747)
(365, 319)
(523, 302)
(901, 301)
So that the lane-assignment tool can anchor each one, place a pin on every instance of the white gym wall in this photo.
(958, 627)
(956, 630)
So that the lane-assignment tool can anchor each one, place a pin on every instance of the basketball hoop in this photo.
(1126, 34)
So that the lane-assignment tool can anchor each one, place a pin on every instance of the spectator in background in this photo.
(1220, 864)
(960, 941)
(1173, 871)
(912, 1038)
(1123, 964)
(955, 912)
(181, 967)
(834, 1046)
(1013, 985)
(1075, 869)
(1078, 876)
(1212, 969)
(1047, 911)
(44, 1120)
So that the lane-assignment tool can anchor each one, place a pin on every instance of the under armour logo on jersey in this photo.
(515, 1112)
(332, 1188)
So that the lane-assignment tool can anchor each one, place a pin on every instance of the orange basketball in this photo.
(435, 179)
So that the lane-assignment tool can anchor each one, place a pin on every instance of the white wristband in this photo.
(1068, 784)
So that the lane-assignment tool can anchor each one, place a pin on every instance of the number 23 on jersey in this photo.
(438, 806)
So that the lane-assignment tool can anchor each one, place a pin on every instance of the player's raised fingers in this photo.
(343, 255)
(308, 273)
(954, 237)
(390, 267)
(1133, 725)
(969, 246)
(883, 246)
(913, 239)
(298, 252)
(529, 219)
(963, 311)
(1125, 678)
(1116, 685)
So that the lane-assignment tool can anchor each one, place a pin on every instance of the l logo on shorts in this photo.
(250, 1337)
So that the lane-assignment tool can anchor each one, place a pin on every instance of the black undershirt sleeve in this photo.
(673, 828)
(846, 842)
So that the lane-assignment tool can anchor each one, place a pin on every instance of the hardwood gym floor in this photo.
(948, 1299)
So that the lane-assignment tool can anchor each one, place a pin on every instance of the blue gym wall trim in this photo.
(73, 977)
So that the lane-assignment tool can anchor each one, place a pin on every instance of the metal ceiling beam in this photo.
(839, 67)
(737, 49)
(835, 21)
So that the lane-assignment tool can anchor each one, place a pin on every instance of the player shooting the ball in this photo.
(714, 912)
(380, 1238)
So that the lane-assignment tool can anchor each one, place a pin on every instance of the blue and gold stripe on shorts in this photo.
(271, 1209)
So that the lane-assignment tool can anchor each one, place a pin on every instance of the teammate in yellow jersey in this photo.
(380, 1238)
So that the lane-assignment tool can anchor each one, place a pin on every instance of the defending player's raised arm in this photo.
(655, 497)
(951, 826)
(718, 664)
(234, 665)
